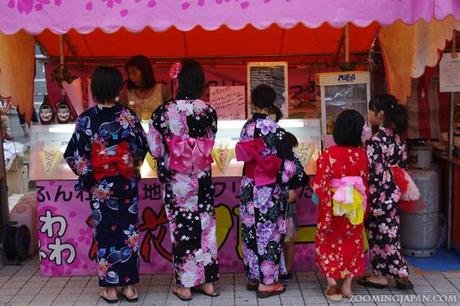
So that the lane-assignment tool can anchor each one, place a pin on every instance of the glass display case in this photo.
(48, 143)
(338, 91)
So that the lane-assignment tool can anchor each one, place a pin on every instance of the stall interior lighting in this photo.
(62, 129)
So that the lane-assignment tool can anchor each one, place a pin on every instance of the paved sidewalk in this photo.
(22, 285)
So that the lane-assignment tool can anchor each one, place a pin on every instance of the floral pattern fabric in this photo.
(262, 208)
(339, 243)
(114, 198)
(188, 197)
(385, 149)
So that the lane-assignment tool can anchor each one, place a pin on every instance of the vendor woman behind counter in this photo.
(143, 93)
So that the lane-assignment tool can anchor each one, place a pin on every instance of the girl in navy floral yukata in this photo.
(384, 150)
(106, 151)
(272, 172)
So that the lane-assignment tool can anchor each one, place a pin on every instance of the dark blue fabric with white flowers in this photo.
(114, 199)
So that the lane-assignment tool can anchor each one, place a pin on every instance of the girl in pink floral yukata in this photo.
(272, 172)
(384, 150)
(181, 137)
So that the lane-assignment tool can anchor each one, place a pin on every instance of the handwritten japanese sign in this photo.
(66, 239)
(273, 74)
(449, 73)
(228, 101)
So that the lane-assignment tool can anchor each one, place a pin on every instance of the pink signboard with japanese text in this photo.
(67, 246)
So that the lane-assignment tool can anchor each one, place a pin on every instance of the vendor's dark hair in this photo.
(395, 114)
(348, 129)
(191, 80)
(106, 84)
(142, 64)
(263, 96)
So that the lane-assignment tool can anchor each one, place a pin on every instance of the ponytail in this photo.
(275, 110)
(395, 114)
(399, 119)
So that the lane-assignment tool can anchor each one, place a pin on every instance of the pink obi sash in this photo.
(263, 170)
(189, 155)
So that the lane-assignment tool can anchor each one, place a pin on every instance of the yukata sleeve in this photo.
(156, 143)
(139, 146)
(365, 176)
(212, 119)
(403, 160)
(293, 173)
(321, 186)
(376, 164)
(78, 154)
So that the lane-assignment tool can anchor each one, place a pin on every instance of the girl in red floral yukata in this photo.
(341, 186)
(384, 150)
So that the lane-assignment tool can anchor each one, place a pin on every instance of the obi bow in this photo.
(189, 155)
(118, 163)
(349, 198)
(263, 170)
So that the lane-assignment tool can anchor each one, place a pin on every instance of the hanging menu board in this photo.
(449, 73)
(228, 101)
(274, 74)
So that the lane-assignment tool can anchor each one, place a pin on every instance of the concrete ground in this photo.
(23, 285)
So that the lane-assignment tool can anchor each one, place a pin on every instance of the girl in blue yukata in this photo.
(105, 152)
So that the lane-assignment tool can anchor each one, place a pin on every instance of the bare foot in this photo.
(110, 294)
(208, 288)
(377, 279)
(129, 292)
(346, 288)
(183, 293)
(263, 287)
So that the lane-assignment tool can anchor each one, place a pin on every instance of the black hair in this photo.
(348, 129)
(191, 80)
(277, 112)
(291, 140)
(106, 84)
(394, 114)
(142, 64)
(264, 96)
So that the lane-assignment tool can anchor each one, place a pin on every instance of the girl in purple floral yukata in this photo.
(181, 138)
(272, 172)
(385, 149)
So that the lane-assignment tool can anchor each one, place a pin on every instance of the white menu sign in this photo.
(449, 73)
(228, 101)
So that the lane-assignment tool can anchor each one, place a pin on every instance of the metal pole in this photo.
(450, 152)
(450, 170)
(61, 59)
(4, 210)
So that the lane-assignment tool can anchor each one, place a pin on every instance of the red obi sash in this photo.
(189, 155)
(121, 163)
(263, 170)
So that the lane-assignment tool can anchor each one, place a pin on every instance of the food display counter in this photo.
(64, 218)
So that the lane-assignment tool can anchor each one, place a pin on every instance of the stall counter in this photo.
(66, 245)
